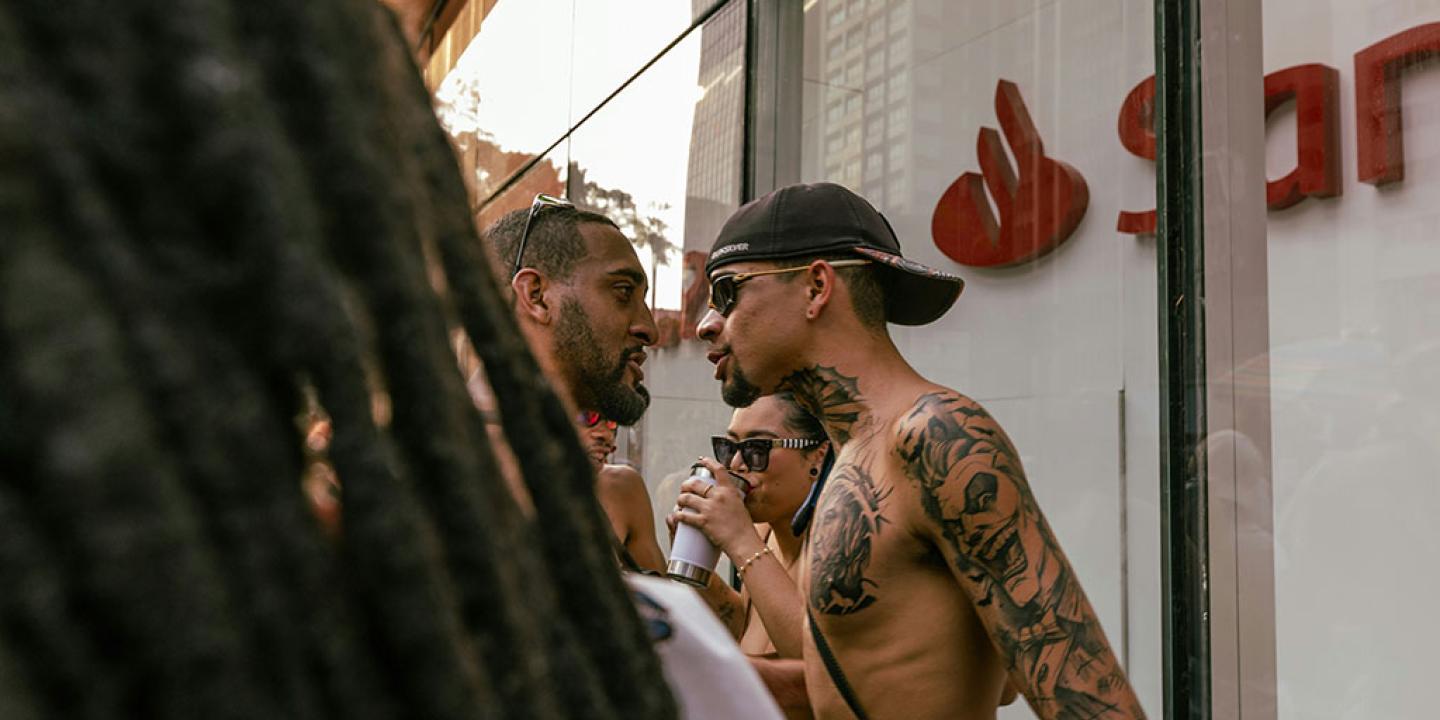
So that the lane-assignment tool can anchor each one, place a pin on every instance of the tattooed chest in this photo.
(843, 540)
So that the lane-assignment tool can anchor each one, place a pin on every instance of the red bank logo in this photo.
(1040, 203)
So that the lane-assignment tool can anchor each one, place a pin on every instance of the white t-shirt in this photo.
(708, 675)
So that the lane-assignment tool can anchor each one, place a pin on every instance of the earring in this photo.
(814, 472)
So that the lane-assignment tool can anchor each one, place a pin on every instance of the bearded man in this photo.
(579, 296)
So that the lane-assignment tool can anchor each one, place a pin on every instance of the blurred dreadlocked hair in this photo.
(208, 205)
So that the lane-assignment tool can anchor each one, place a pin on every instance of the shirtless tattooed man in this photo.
(931, 574)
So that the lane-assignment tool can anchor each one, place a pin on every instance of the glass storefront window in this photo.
(669, 140)
(476, 105)
(928, 108)
(663, 158)
(874, 97)
(547, 176)
(615, 38)
(1059, 347)
(561, 59)
(1354, 357)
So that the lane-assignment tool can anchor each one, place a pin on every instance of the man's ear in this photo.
(821, 287)
(530, 287)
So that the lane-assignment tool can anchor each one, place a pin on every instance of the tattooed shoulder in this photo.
(972, 489)
(945, 428)
(850, 517)
(975, 496)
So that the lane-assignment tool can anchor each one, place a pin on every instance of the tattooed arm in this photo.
(728, 605)
(775, 600)
(980, 512)
(727, 524)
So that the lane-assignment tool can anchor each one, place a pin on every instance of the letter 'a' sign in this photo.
(1040, 202)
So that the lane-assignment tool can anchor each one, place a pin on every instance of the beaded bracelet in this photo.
(746, 565)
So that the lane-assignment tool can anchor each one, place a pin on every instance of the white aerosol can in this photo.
(692, 557)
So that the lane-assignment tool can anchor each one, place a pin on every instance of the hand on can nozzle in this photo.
(692, 555)
(718, 510)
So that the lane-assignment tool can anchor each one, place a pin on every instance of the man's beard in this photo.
(598, 383)
(738, 391)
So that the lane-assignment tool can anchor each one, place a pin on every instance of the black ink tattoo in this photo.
(727, 612)
(973, 488)
(830, 396)
(840, 542)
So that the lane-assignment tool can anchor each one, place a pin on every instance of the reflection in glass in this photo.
(894, 95)
(616, 38)
(662, 159)
(1354, 367)
(507, 98)
(543, 177)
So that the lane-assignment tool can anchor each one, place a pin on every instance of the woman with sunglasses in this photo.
(777, 451)
(622, 494)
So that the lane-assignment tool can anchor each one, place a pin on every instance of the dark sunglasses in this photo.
(725, 290)
(591, 418)
(755, 452)
(541, 202)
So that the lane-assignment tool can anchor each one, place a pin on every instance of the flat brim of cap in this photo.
(921, 295)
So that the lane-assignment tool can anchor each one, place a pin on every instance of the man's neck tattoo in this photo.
(830, 396)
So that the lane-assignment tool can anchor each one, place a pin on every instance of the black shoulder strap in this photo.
(833, 667)
(626, 560)
(801, 522)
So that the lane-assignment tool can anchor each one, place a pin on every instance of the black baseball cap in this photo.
(822, 219)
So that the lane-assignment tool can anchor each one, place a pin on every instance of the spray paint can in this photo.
(692, 557)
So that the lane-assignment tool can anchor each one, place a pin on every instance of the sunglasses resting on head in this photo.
(541, 202)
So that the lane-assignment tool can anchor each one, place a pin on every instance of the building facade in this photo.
(1216, 343)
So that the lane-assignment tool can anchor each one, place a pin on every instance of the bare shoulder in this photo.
(620, 475)
(622, 483)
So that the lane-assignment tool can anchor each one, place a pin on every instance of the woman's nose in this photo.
(736, 462)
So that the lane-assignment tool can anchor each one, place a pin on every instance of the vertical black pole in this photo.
(753, 22)
(1180, 253)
